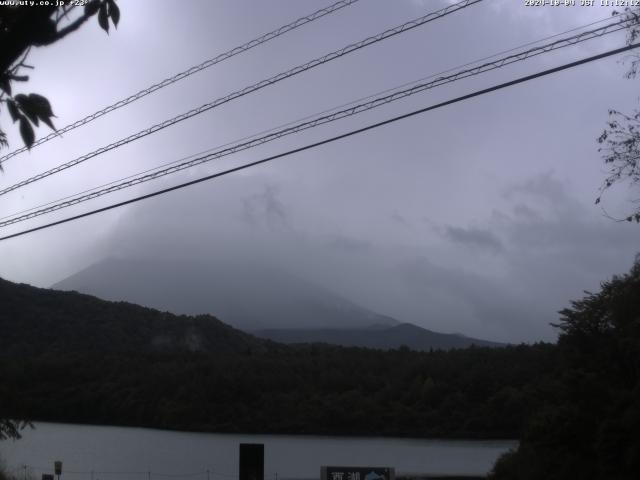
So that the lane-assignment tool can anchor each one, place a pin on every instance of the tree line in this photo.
(319, 389)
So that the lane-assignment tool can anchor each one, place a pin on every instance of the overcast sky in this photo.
(476, 218)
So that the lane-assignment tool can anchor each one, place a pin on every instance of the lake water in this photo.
(116, 453)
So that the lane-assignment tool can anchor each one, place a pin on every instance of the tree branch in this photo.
(72, 27)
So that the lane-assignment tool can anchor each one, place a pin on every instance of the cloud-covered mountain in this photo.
(243, 294)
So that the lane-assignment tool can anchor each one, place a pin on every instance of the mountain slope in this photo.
(68, 357)
(244, 295)
(35, 320)
(383, 338)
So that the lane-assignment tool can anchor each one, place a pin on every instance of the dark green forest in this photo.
(589, 425)
(75, 358)
(321, 389)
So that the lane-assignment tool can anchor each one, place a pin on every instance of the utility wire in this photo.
(187, 73)
(257, 86)
(331, 139)
(360, 108)
(293, 122)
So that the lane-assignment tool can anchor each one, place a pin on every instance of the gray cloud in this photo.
(265, 207)
(475, 238)
(400, 220)
(489, 307)
(348, 244)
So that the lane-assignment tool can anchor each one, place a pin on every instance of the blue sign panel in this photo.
(357, 473)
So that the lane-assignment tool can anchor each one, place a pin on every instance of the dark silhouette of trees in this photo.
(11, 428)
(69, 357)
(23, 27)
(588, 426)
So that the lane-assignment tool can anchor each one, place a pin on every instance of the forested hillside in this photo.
(36, 321)
(482, 393)
(587, 427)
(74, 358)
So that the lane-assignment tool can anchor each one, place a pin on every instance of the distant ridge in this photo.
(379, 337)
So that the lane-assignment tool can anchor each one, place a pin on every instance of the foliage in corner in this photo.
(10, 429)
(620, 140)
(587, 427)
(24, 27)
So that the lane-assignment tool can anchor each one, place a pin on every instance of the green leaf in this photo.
(48, 121)
(91, 8)
(3, 144)
(13, 110)
(114, 12)
(103, 17)
(36, 107)
(25, 105)
(26, 131)
(18, 78)
(5, 84)
(41, 105)
(43, 31)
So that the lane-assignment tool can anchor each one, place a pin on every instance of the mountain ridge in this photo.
(36, 321)
(381, 338)
(255, 298)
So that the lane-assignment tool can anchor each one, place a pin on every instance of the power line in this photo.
(357, 109)
(257, 86)
(293, 122)
(187, 73)
(331, 139)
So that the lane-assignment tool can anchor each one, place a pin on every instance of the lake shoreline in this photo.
(276, 434)
(92, 451)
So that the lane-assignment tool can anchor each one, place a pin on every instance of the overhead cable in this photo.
(329, 140)
(186, 73)
(175, 167)
(252, 88)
